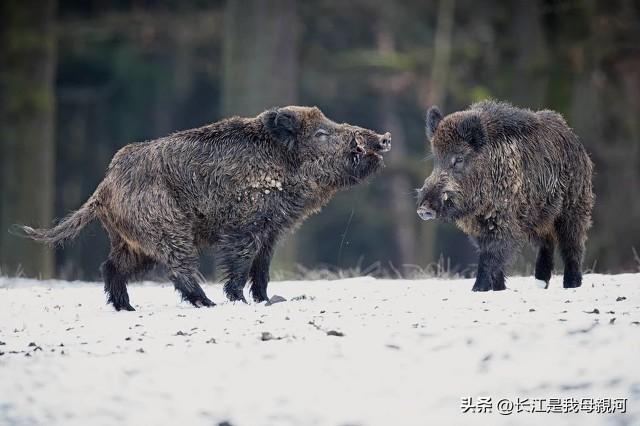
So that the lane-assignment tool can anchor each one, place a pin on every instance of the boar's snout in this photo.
(428, 201)
(384, 143)
(426, 213)
(374, 143)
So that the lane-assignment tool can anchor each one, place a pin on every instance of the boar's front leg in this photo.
(259, 273)
(236, 255)
(494, 255)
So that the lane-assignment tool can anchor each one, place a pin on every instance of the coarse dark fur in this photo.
(237, 184)
(505, 175)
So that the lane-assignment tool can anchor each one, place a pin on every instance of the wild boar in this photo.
(237, 184)
(505, 175)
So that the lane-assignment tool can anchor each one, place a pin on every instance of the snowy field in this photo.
(349, 352)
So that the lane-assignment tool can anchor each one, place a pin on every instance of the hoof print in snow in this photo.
(140, 351)
(268, 336)
(275, 299)
(302, 297)
(335, 333)
(595, 311)
(620, 298)
(212, 340)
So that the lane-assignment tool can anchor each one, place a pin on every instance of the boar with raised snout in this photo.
(505, 175)
(237, 184)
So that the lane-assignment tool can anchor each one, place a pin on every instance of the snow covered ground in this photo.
(349, 352)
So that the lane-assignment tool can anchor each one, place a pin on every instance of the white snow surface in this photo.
(409, 352)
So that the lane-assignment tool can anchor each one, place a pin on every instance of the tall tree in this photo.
(433, 238)
(261, 67)
(260, 55)
(530, 57)
(403, 213)
(27, 66)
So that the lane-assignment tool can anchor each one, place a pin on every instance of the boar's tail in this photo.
(67, 229)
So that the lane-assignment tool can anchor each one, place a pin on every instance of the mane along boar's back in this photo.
(237, 184)
(507, 175)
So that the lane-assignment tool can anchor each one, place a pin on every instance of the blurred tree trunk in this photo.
(27, 66)
(531, 72)
(261, 69)
(403, 213)
(260, 56)
(441, 54)
(604, 112)
(432, 235)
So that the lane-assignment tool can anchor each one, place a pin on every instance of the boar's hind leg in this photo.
(259, 273)
(121, 265)
(544, 262)
(571, 239)
(493, 258)
(182, 262)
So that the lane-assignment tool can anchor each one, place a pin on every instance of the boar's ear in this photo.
(470, 129)
(434, 116)
(283, 125)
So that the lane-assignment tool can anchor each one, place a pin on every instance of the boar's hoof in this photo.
(481, 286)
(572, 281)
(200, 301)
(234, 296)
(123, 306)
(498, 286)
(120, 302)
(260, 297)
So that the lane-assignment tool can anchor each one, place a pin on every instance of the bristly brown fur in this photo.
(237, 184)
(506, 175)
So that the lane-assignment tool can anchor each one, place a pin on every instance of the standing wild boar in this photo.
(237, 184)
(505, 175)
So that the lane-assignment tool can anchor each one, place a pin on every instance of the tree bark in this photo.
(261, 70)
(431, 234)
(27, 66)
(403, 213)
(260, 56)
(531, 64)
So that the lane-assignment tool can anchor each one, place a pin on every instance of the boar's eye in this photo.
(322, 135)
(457, 162)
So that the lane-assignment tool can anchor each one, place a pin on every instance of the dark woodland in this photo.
(79, 80)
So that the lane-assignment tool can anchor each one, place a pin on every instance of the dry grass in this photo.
(440, 269)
